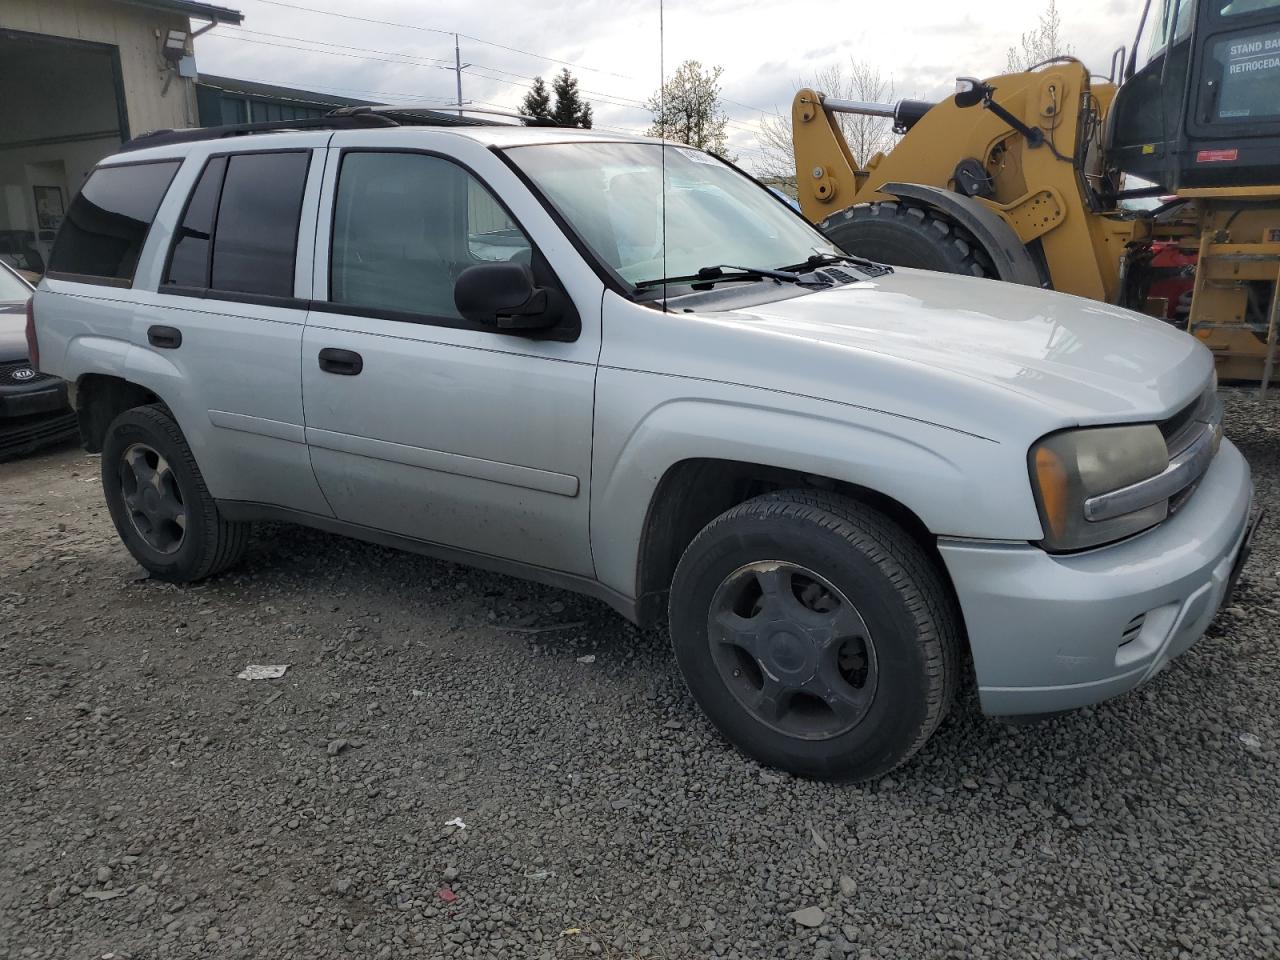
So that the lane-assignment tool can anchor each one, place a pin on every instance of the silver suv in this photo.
(842, 486)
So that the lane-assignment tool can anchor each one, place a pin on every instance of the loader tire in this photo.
(908, 235)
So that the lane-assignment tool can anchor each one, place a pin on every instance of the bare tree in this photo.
(1043, 43)
(866, 136)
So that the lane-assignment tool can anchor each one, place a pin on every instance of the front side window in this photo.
(405, 225)
(612, 195)
(102, 235)
(1173, 25)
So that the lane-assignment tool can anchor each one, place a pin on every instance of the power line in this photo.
(615, 100)
(437, 63)
(747, 106)
(414, 26)
(237, 34)
(332, 53)
(409, 59)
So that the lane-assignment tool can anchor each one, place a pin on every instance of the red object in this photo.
(1216, 156)
(447, 895)
(1167, 254)
(1171, 275)
(33, 345)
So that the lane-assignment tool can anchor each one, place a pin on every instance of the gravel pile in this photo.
(458, 764)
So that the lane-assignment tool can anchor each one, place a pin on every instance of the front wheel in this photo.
(159, 503)
(908, 235)
(815, 634)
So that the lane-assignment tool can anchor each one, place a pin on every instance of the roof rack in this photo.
(343, 118)
(447, 115)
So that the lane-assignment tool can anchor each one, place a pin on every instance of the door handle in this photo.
(164, 338)
(345, 363)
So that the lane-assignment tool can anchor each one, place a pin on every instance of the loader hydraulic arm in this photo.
(825, 166)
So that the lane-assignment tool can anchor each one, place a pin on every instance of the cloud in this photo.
(765, 49)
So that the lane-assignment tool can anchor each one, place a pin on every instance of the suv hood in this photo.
(1086, 361)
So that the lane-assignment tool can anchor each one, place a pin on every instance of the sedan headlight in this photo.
(1070, 467)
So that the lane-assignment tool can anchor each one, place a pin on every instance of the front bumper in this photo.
(33, 415)
(44, 395)
(1057, 632)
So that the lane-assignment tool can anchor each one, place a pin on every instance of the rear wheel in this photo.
(816, 635)
(908, 235)
(159, 503)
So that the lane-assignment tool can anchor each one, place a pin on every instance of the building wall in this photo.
(133, 30)
(79, 76)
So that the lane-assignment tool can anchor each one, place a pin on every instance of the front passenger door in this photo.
(420, 422)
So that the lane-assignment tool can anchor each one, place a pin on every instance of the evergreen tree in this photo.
(570, 109)
(537, 102)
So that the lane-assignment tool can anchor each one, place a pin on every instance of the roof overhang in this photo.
(201, 11)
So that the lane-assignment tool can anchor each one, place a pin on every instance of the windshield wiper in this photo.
(871, 267)
(707, 277)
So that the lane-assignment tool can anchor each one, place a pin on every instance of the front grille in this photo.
(1194, 423)
(20, 372)
(1182, 429)
(1173, 427)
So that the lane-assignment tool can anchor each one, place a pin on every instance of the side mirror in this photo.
(503, 295)
(970, 91)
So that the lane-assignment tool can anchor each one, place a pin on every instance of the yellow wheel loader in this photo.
(1028, 178)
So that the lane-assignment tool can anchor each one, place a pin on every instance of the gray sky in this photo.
(613, 47)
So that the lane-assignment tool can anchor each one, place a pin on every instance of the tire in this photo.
(198, 545)
(908, 235)
(896, 688)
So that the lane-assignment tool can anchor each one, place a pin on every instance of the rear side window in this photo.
(189, 262)
(106, 226)
(239, 233)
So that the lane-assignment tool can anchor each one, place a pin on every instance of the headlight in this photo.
(1070, 467)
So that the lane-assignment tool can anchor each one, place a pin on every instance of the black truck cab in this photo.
(1204, 111)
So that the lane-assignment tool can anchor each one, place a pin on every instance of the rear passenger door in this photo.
(438, 428)
(233, 290)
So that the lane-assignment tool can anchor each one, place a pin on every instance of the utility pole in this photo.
(457, 67)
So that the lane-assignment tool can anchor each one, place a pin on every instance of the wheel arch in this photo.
(99, 398)
(108, 375)
(1013, 262)
(694, 491)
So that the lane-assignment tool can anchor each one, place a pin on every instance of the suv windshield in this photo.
(611, 195)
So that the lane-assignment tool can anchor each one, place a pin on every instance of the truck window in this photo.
(239, 232)
(1246, 68)
(1237, 7)
(255, 238)
(102, 236)
(405, 225)
(189, 260)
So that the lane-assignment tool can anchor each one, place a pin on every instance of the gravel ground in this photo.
(155, 805)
